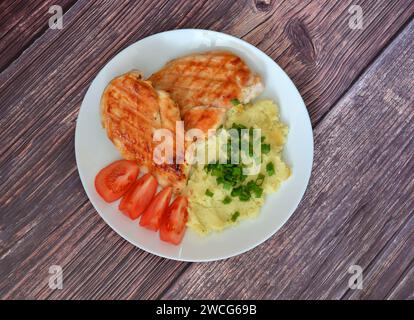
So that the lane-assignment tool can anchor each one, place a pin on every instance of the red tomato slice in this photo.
(139, 197)
(173, 222)
(151, 218)
(113, 181)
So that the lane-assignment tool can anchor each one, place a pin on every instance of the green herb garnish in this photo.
(231, 176)
(235, 216)
(227, 200)
(252, 187)
(250, 149)
(235, 102)
(244, 196)
(258, 191)
(209, 193)
(270, 169)
(236, 171)
(260, 179)
(220, 180)
(238, 127)
(227, 185)
(265, 148)
(236, 192)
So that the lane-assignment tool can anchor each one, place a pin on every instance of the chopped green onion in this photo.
(238, 127)
(235, 216)
(231, 175)
(250, 184)
(235, 102)
(236, 192)
(227, 185)
(265, 148)
(258, 191)
(260, 179)
(250, 150)
(251, 131)
(244, 196)
(236, 171)
(270, 169)
(220, 180)
(227, 200)
(216, 172)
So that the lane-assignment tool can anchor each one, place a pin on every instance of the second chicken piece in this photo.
(204, 85)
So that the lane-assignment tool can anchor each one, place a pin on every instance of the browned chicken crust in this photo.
(204, 118)
(131, 111)
(208, 80)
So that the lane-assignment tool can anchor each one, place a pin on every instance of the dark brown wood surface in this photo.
(21, 22)
(358, 87)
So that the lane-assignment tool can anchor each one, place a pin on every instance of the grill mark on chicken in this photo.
(209, 79)
(131, 111)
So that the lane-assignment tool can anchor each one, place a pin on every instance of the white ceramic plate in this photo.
(94, 150)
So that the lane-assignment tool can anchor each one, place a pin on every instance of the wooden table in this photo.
(358, 85)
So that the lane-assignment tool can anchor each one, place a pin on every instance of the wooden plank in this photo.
(21, 22)
(388, 269)
(46, 217)
(404, 288)
(360, 200)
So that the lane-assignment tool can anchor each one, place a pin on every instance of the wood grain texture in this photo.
(404, 288)
(45, 216)
(358, 209)
(312, 42)
(21, 22)
(386, 277)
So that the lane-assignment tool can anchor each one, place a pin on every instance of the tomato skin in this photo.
(113, 181)
(126, 205)
(173, 222)
(151, 218)
(134, 203)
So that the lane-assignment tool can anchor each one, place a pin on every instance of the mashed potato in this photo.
(209, 213)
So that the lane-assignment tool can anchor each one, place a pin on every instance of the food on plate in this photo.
(204, 118)
(134, 203)
(173, 222)
(113, 181)
(131, 110)
(210, 90)
(139, 200)
(151, 218)
(220, 195)
(210, 80)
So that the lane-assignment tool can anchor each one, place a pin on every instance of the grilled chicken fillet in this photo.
(131, 111)
(208, 80)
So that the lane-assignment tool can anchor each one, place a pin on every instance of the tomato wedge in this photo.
(139, 197)
(113, 181)
(151, 218)
(173, 222)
